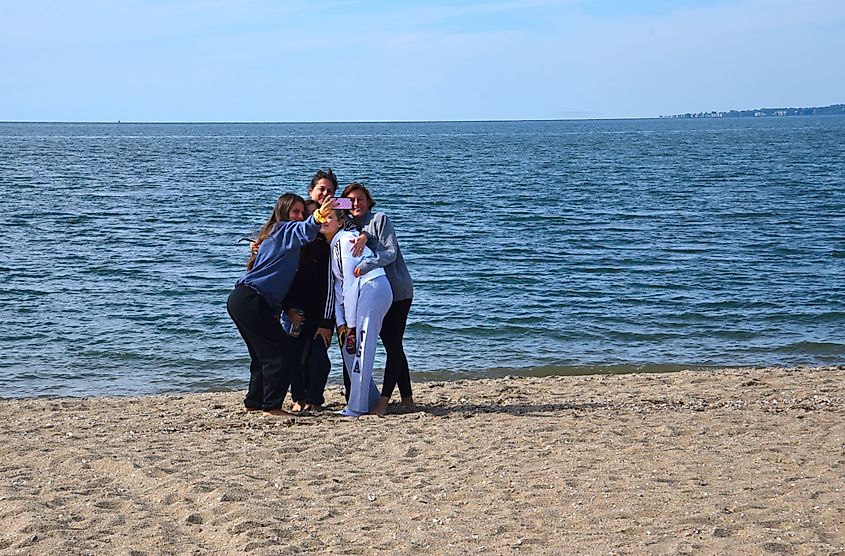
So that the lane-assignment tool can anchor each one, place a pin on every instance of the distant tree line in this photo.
(834, 109)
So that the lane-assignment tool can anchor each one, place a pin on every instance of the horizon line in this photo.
(258, 122)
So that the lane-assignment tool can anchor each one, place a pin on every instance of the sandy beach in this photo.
(740, 461)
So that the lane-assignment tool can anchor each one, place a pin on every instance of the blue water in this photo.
(536, 247)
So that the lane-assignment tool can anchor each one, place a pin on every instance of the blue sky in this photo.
(263, 60)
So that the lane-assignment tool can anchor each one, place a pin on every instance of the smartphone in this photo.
(342, 203)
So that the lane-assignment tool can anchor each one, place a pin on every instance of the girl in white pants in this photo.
(360, 305)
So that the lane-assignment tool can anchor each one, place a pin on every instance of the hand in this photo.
(350, 341)
(341, 333)
(325, 209)
(358, 244)
(325, 334)
(295, 318)
(358, 272)
(253, 247)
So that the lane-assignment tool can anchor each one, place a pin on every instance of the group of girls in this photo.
(321, 268)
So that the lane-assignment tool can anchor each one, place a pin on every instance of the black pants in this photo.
(309, 379)
(396, 369)
(271, 350)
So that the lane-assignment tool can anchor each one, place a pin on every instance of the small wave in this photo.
(748, 214)
(643, 336)
(813, 348)
(75, 219)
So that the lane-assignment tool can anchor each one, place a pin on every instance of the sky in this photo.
(321, 60)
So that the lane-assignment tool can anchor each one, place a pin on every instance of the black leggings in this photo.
(396, 366)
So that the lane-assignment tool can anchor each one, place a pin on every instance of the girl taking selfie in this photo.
(256, 302)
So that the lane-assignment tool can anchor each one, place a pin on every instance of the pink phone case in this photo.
(342, 203)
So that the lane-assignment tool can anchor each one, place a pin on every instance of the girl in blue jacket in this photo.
(256, 302)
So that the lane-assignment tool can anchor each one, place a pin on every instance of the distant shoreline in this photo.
(832, 110)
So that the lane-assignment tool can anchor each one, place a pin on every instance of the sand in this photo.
(742, 461)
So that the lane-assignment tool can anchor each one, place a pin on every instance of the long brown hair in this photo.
(281, 213)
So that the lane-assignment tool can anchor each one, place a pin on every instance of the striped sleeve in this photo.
(329, 309)
(336, 285)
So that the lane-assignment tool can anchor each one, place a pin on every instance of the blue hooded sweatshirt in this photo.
(278, 258)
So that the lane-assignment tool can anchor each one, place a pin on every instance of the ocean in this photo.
(538, 247)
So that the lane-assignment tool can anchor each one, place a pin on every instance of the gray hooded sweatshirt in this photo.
(381, 239)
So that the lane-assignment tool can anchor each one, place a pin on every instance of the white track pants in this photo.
(374, 299)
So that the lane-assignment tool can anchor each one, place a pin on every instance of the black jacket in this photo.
(310, 287)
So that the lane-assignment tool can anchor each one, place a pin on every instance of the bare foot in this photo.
(251, 409)
(312, 407)
(381, 406)
(408, 402)
(296, 407)
(278, 413)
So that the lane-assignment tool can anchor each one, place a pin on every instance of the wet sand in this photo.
(743, 461)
